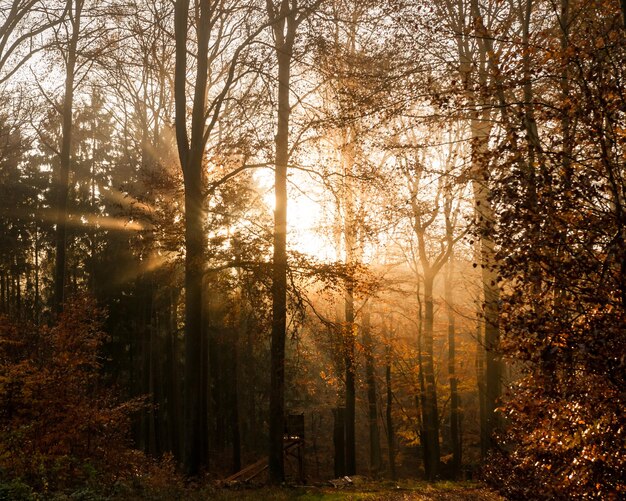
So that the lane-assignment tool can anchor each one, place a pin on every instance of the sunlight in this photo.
(304, 215)
(153, 262)
(305, 220)
(94, 221)
(102, 222)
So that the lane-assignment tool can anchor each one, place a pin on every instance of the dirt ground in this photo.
(364, 490)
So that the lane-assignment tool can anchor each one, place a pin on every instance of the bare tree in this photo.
(285, 18)
(21, 22)
(71, 56)
(430, 250)
(219, 33)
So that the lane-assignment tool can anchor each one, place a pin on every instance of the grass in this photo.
(363, 491)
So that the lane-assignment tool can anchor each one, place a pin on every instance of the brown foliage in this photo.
(59, 426)
(563, 256)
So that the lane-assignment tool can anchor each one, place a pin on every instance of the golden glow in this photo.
(128, 201)
(147, 265)
(94, 221)
(106, 223)
(304, 215)
(305, 219)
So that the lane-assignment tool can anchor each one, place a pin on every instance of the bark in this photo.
(172, 379)
(370, 377)
(421, 390)
(455, 411)
(236, 429)
(151, 370)
(18, 294)
(350, 383)
(481, 129)
(195, 396)
(191, 155)
(349, 359)
(339, 434)
(485, 217)
(491, 313)
(239, 332)
(481, 380)
(65, 158)
(284, 33)
(218, 393)
(37, 308)
(279, 279)
(431, 415)
(346, 230)
(389, 417)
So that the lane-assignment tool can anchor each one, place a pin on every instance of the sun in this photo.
(305, 229)
(305, 216)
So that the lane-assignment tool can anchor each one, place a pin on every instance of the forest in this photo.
(253, 243)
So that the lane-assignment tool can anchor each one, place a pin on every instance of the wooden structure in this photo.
(293, 447)
(293, 442)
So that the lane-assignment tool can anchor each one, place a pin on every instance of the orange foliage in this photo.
(59, 426)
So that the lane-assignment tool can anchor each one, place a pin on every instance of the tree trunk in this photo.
(284, 45)
(422, 383)
(191, 155)
(493, 361)
(339, 442)
(234, 389)
(349, 359)
(431, 416)
(370, 376)
(491, 294)
(173, 377)
(481, 379)
(389, 417)
(455, 416)
(37, 306)
(194, 394)
(455, 412)
(151, 370)
(349, 334)
(3, 293)
(63, 179)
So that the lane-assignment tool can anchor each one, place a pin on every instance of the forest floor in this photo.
(366, 490)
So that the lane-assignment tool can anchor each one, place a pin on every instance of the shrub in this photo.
(59, 425)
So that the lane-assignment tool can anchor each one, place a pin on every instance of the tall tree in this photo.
(343, 60)
(430, 251)
(475, 53)
(220, 32)
(564, 251)
(285, 18)
(451, 215)
(70, 57)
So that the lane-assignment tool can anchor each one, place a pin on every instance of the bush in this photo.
(60, 427)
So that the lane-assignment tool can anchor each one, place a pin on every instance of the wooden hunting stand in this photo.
(293, 442)
(293, 447)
